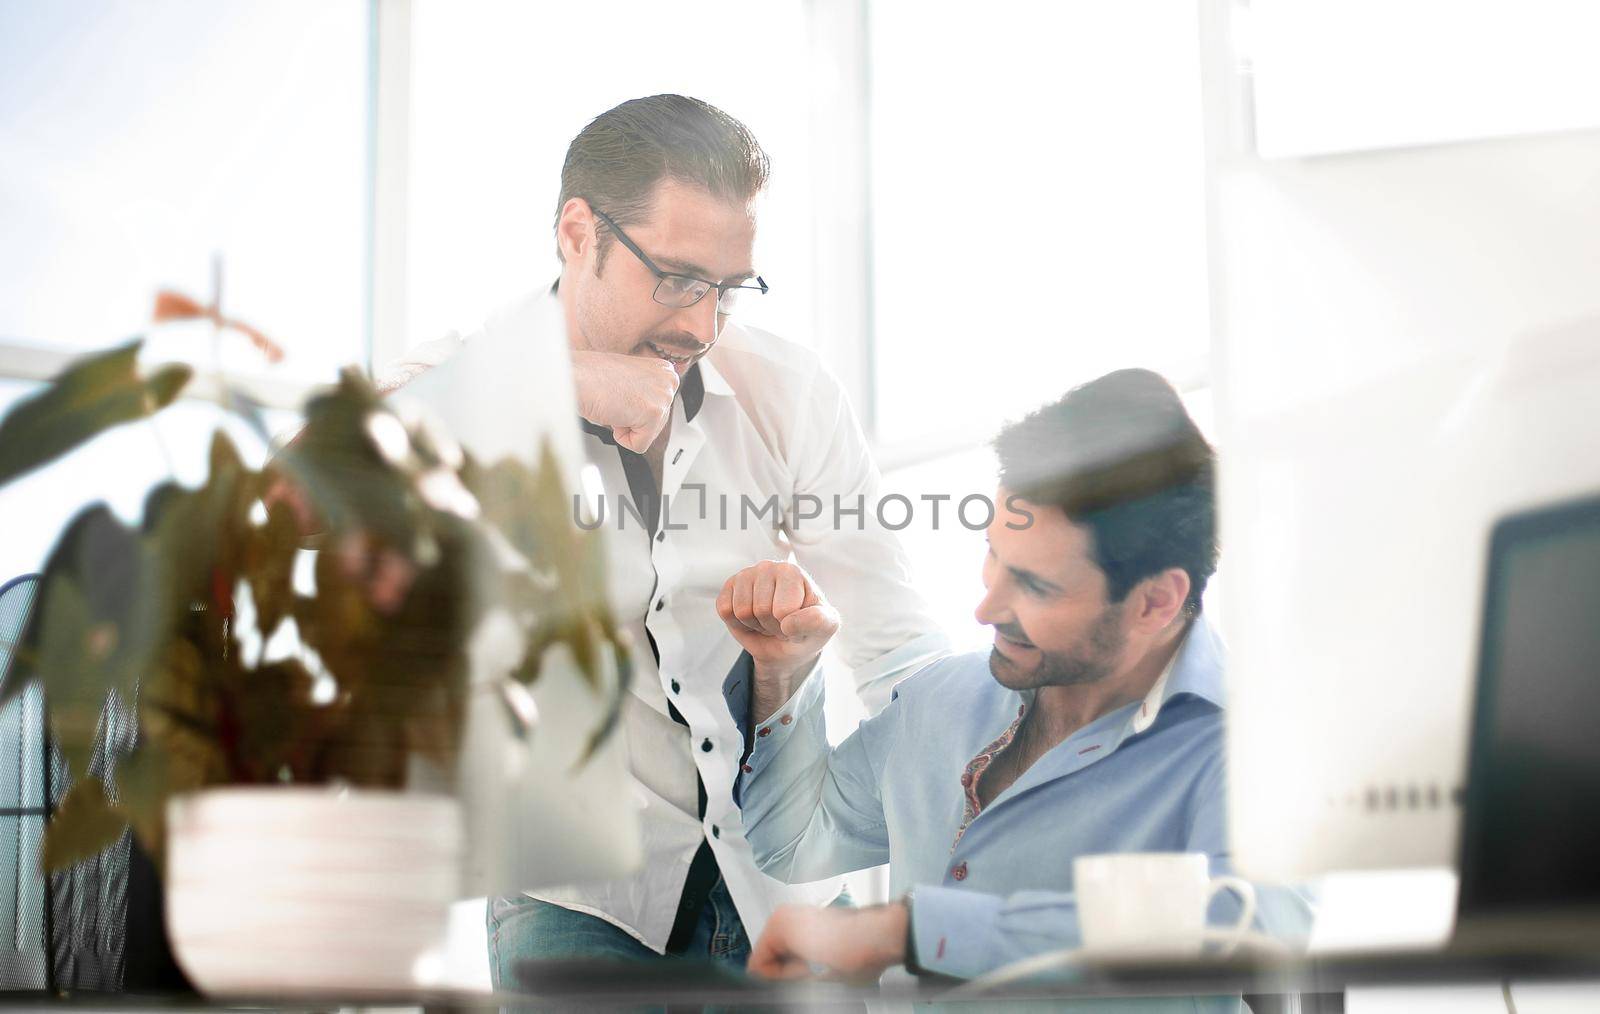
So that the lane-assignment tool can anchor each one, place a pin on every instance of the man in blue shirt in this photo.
(1094, 725)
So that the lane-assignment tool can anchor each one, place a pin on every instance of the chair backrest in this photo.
(88, 925)
(16, 605)
(24, 807)
(66, 931)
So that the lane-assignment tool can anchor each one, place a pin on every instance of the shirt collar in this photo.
(693, 391)
(1194, 669)
(711, 380)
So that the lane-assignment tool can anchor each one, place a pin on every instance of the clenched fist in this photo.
(630, 394)
(778, 616)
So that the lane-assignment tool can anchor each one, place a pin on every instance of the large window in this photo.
(1031, 186)
(1038, 206)
(172, 143)
(1038, 219)
(144, 139)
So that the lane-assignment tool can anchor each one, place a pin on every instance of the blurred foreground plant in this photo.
(175, 614)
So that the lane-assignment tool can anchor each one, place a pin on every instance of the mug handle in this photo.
(1231, 936)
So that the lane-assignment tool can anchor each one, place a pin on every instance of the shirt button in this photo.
(661, 604)
(766, 730)
(675, 687)
(786, 719)
(716, 832)
(959, 871)
(661, 536)
(748, 769)
(705, 745)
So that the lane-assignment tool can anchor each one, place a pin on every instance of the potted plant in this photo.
(415, 545)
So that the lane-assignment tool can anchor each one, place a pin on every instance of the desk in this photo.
(603, 985)
(1320, 983)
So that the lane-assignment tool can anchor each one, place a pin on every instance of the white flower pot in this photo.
(293, 891)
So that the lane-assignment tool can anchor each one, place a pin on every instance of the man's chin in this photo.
(1008, 674)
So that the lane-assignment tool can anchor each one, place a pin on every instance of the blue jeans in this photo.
(526, 929)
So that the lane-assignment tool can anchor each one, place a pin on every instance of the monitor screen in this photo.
(1531, 826)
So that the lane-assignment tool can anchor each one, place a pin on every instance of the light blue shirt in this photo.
(1147, 777)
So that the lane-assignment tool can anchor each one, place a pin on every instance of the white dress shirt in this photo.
(764, 419)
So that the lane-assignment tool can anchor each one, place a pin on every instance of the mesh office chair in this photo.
(66, 931)
(24, 807)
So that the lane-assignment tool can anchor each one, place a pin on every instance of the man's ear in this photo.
(575, 230)
(1159, 598)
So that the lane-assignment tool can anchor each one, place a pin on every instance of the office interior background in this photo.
(960, 246)
(972, 207)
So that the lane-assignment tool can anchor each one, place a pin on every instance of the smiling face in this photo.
(687, 231)
(1046, 599)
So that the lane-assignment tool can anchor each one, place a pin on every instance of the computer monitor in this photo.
(1406, 348)
(1531, 820)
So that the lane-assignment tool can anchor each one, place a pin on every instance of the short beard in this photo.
(1091, 664)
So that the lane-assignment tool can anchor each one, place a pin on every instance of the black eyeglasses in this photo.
(683, 290)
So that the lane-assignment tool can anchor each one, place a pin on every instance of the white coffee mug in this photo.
(1153, 904)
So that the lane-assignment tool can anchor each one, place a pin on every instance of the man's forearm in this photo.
(773, 689)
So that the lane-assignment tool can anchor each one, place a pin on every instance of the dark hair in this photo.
(1120, 456)
(617, 160)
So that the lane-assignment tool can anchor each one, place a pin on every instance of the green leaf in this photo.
(613, 715)
(62, 626)
(143, 786)
(279, 726)
(338, 623)
(91, 396)
(84, 826)
(197, 543)
(179, 536)
(405, 671)
(351, 485)
(563, 600)
(172, 758)
(269, 566)
(369, 748)
(100, 624)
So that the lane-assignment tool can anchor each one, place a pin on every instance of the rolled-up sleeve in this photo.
(812, 811)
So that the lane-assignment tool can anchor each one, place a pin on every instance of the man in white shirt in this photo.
(704, 433)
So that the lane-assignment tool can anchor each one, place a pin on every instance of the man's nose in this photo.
(701, 319)
(993, 608)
